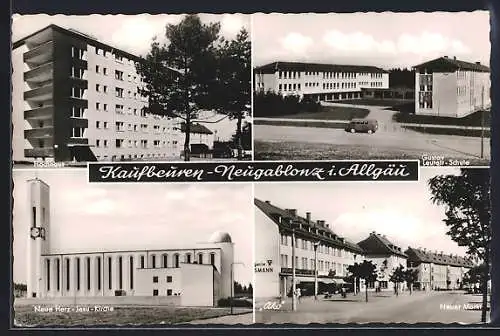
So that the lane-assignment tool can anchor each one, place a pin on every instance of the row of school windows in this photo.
(89, 272)
(326, 86)
(325, 75)
(297, 87)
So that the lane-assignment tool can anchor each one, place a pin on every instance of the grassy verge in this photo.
(309, 151)
(296, 123)
(329, 113)
(375, 102)
(25, 316)
(449, 131)
(473, 119)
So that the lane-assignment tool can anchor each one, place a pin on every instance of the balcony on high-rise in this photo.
(39, 152)
(44, 112)
(40, 54)
(40, 94)
(45, 132)
(40, 74)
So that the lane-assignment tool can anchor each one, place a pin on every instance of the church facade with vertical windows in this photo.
(198, 275)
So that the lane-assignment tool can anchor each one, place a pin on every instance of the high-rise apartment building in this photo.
(77, 99)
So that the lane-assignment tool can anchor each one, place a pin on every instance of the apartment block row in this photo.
(319, 249)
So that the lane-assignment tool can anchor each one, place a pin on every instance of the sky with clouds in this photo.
(400, 210)
(131, 33)
(380, 39)
(90, 217)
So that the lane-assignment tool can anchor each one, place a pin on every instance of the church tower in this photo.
(38, 245)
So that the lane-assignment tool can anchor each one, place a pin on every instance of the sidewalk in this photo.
(238, 318)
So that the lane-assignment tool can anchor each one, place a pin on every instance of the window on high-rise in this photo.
(119, 143)
(118, 75)
(77, 132)
(77, 52)
(119, 92)
(77, 92)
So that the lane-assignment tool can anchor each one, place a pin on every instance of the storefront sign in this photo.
(264, 267)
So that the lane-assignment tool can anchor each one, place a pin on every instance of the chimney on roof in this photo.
(328, 225)
(454, 58)
(322, 223)
(318, 222)
(293, 212)
(445, 56)
(268, 202)
(308, 217)
(478, 63)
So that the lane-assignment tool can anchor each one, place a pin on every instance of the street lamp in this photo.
(316, 244)
(232, 284)
(293, 224)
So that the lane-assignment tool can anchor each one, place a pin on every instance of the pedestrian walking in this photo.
(298, 294)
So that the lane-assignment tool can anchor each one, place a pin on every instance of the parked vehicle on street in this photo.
(362, 126)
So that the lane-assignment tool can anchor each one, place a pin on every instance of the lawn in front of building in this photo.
(329, 113)
(26, 316)
(474, 119)
(269, 151)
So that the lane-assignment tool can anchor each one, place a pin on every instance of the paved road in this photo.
(433, 307)
(448, 145)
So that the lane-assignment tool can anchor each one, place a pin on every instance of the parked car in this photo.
(362, 125)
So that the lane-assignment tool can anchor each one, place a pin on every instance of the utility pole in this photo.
(482, 122)
(294, 303)
(316, 244)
